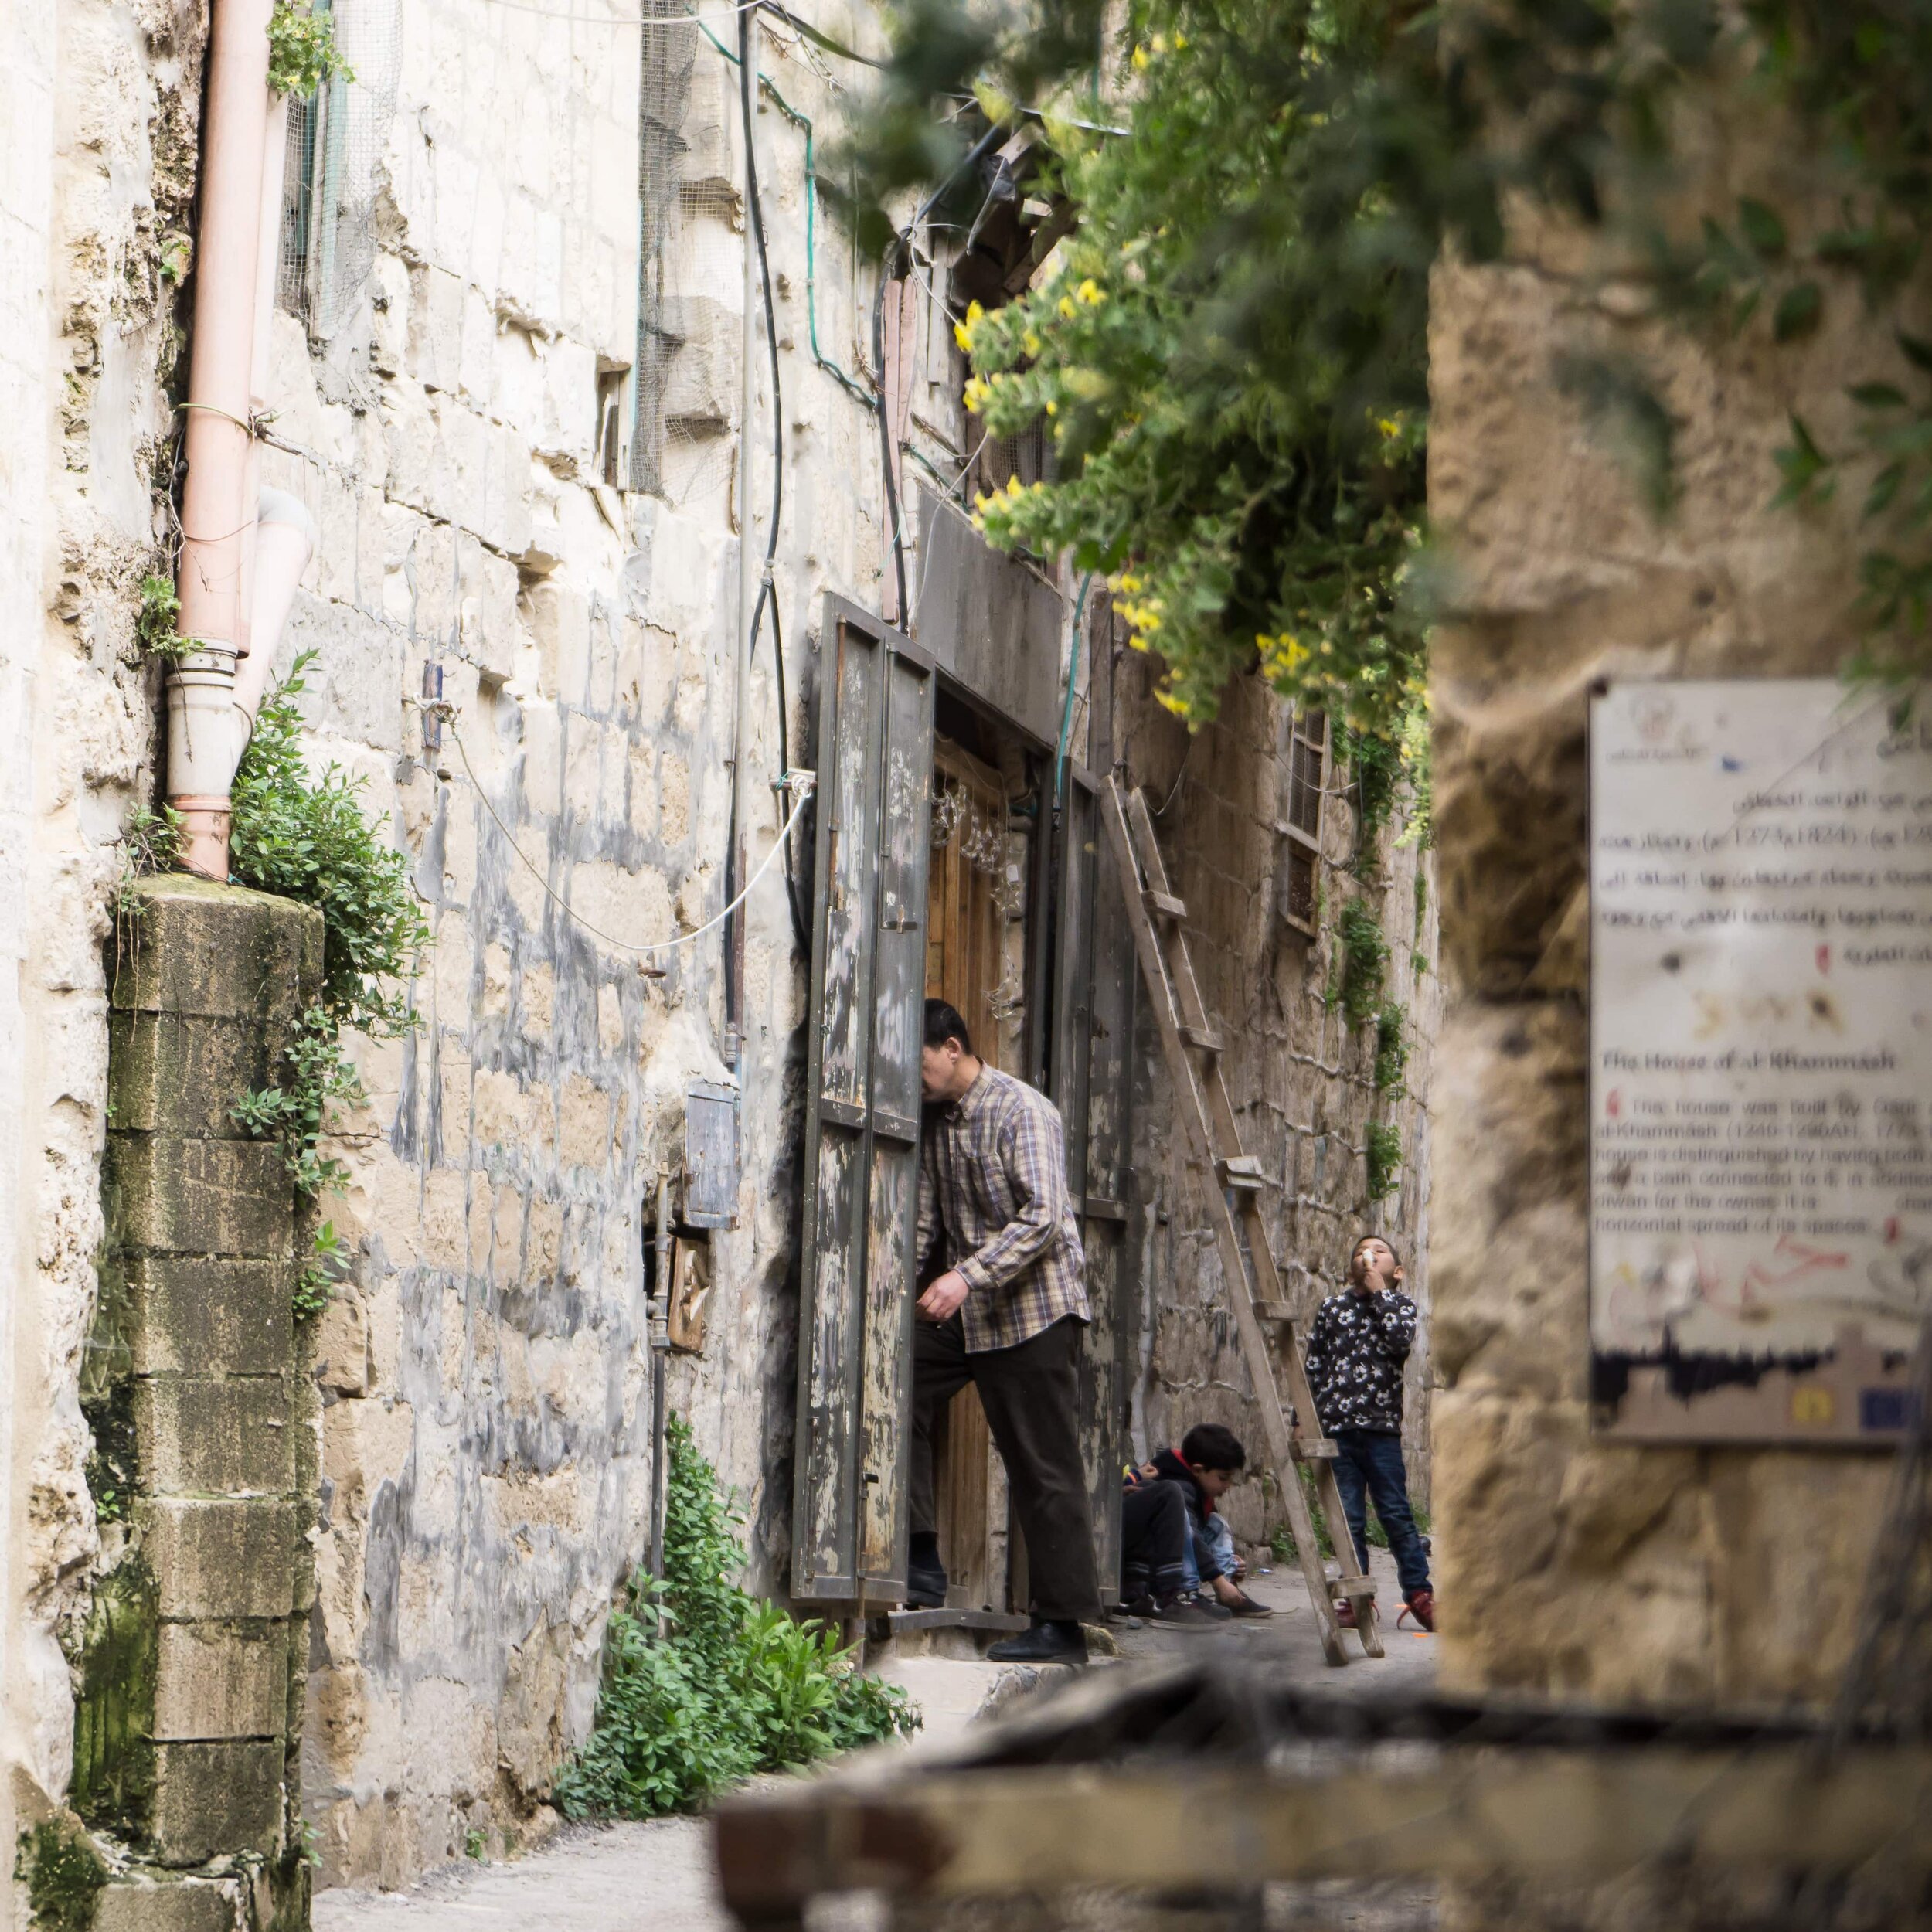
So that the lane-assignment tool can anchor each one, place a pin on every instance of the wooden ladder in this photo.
(1231, 1182)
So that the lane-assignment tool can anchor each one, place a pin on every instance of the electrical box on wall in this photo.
(710, 1155)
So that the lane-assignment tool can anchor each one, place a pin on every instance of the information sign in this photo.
(1760, 1059)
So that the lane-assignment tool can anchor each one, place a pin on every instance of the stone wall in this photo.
(486, 1460)
(1691, 1575)
(191, 1669)
(97, 176)
(1301, 1079)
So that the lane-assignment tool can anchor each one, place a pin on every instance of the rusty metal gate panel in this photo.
(861, 1163)
(1090, 1081)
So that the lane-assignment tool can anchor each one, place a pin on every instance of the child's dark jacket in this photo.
(1356, 1353)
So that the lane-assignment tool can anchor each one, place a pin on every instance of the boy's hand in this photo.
(943, 1298)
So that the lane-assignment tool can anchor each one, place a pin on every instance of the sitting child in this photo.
(1173, 1540)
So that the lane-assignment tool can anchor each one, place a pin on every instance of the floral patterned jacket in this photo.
(1356, 1355)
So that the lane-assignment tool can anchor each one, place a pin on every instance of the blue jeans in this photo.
(1209, 1553)
(1367, 1467)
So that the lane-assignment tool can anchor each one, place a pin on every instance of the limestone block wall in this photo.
(97, 176)
(1301, 1078)
(1683, 1575)
(191, 1668)
(486, 1467)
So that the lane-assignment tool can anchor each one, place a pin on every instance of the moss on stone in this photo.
(63, 1875)
(114, 1750)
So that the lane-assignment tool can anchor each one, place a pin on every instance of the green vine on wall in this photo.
(1392, 1050)
(308, 839)
(302, 53)
(1384, 1144)
(1357, 988)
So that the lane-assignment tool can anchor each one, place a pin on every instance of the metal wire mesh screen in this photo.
(688, 261)
(333, 175)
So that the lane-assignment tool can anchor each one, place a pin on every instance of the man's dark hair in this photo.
(1209, 1446)
(943, 1023)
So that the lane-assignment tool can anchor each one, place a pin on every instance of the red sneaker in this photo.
(1421, 1605)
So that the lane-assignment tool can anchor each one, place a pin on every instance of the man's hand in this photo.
(943, 1297)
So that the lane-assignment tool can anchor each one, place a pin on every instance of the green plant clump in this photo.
(302, 53)
(1365, 963)
(155, 621)
(1391, 1048)
(1384, 1146)
(308, 840)
(732, 1686)
(63, 1875)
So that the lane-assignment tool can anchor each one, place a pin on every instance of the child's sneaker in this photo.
(1421, 1605)
(1345, 1611)
(1245, 1605)
(1184, 1613)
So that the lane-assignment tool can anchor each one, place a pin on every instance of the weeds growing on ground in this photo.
(728, 1687)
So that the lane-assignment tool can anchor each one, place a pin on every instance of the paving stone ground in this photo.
(659, 1875)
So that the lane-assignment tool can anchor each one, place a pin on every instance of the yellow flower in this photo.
(1140, 66)
(1388, 428)
(1066, 309)
(1030, 343)
(1052, 408)
(1090, 292)
(1014, 487)
(1180, 43)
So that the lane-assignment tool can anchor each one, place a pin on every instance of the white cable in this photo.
(802, 782)
(626, 20)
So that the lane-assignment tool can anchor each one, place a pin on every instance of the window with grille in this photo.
(331, 175)
(1300, 830)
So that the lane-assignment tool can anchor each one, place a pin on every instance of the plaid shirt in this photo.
(992, 1172)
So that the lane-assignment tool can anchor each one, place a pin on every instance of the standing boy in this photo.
(1361, 1339)
(1007, 1316)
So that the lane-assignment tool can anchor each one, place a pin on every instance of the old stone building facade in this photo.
(452, 396)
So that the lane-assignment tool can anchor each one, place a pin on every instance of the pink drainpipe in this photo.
(205, 731)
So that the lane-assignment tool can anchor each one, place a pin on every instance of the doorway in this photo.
(981, 864)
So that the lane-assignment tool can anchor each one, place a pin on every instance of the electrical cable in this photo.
(768, 594)
(801, 782)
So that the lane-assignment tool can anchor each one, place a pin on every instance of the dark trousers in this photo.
(1367, 1467)
(1031, 1395)
(1154, 1534)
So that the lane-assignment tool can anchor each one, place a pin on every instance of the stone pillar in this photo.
(187, 1730)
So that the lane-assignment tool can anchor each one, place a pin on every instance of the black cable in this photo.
(766, 593)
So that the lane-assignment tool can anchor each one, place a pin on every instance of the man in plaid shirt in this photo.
(1007, 1316)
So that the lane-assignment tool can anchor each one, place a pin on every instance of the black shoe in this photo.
(1186, 1613)
(925, 1587)
(1044, 1643)
(1245, 1605)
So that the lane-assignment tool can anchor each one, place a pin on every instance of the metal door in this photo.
(1091, 1079)
(861, 1165)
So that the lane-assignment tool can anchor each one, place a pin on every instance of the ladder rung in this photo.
(1165, 903)
(1351, 1586)
(1241, 1170)
(1205, 1038)
(1273, 1311)
(1313, 1449)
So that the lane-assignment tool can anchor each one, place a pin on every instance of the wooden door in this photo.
(965, 964)
(861, 1165)
(1090, 1067)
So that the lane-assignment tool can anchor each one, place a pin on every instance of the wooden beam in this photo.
(1549, 1814)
